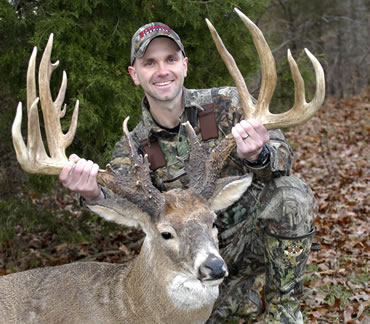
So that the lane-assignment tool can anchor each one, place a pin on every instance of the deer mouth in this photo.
(212, 282)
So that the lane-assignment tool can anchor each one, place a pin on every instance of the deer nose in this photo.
(213, 268)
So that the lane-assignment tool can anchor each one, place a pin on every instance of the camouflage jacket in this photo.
(227, 110)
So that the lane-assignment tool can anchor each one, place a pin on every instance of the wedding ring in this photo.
(245, 137)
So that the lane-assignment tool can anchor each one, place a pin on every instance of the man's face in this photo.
(161, 71)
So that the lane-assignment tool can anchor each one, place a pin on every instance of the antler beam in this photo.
(301, 110)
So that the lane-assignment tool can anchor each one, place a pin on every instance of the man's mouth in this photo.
(162, 83)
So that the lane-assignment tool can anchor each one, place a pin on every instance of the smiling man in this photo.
(269, 230)
(161, 72)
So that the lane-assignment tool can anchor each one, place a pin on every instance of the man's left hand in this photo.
(250, 137)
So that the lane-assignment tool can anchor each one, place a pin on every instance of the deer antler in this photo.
(301, 110)
(34, 158)
(136, 186)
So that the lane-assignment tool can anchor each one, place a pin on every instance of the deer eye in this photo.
(214, 225)
(167, 235)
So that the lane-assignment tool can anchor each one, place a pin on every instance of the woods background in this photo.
(42, 224)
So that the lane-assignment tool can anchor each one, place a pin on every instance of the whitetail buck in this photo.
(175, 278)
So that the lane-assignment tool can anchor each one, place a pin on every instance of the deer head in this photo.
(179, 224)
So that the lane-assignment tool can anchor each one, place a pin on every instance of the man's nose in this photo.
(162, 69)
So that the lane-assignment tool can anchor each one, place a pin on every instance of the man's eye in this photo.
(149, 63)
(171, 60)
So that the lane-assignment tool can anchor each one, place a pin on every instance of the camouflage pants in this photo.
(283, 207)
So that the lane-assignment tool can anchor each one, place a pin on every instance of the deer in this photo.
(177, 274)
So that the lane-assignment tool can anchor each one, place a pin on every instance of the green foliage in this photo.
(13, 59)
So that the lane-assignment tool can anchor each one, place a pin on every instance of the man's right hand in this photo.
(79, 175)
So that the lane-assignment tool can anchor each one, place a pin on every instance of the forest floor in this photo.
(331, 156)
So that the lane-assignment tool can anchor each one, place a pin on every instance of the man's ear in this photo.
(133, 75)
(185, 62)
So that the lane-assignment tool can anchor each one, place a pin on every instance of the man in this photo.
(270, 228)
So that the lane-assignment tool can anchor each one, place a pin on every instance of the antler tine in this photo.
(57, 141)
(229, 61)
(34, 143)
(268, 68)
(301, 110)
(31, 82)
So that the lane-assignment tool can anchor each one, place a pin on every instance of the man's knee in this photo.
(287, 207)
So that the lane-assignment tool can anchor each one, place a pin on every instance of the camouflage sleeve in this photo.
(281, 158)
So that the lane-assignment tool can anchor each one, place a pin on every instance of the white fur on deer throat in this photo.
(187, 292)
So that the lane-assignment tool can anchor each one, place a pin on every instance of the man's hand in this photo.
(250, 136)
(79, 175)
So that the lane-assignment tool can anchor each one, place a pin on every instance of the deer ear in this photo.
(120, 211)
(228, 191)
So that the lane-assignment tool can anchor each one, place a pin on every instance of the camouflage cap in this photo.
(145, 34)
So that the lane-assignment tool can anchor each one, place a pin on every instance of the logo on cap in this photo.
(155, 28)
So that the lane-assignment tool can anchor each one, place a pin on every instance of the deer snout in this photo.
(213, 268)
